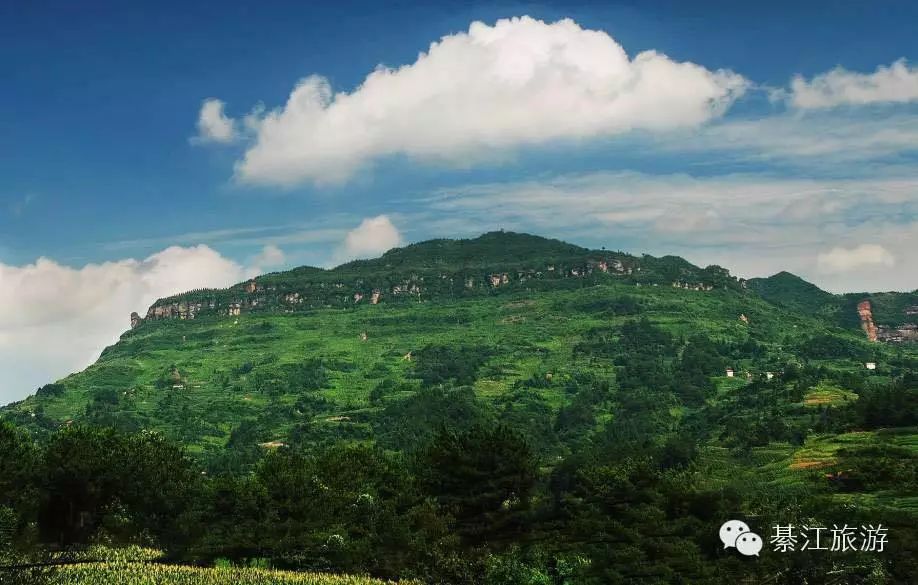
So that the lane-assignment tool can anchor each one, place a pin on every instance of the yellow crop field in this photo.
(153, 574)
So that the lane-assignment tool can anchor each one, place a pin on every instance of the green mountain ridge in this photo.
(506, 261)
(790, 290)
(225, 355)
(889, 309)
(443, 275)
(441, 269)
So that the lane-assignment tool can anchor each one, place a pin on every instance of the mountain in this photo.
(790, 290)
(439, 270)
(321, 353)
(885, 316)
(495, 404)
(214, 352)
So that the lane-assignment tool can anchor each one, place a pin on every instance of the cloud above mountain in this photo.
(492, 88)
(270, 257)
(55, 319)
(840, 259)
(371, 238)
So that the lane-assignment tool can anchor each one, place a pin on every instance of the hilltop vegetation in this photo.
(791, 291)
(567, 425)
(788, 290)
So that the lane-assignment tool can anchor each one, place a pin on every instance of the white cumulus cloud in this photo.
(519, 82)
(849, 259)
(897, 83)
(270, 257)
(213, 123)
(55, 319)
(371, 238)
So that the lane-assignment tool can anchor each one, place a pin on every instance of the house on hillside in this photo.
(870, 365)
(730, 372)
(273, 444)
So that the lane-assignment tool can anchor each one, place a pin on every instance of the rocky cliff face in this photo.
(430, 277)
(176, 310)
(865, 313)
(905, 331)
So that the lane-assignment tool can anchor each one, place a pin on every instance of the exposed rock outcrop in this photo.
(136, 320)
(307, 288)
(176, 310)
(865, 313)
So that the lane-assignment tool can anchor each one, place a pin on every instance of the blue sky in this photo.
(106, 162)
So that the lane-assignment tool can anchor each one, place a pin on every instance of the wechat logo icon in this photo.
(736, 534)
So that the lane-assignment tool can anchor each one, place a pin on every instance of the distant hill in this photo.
(889, 309)
(789, 290)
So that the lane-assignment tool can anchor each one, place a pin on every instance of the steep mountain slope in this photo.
(315, 354)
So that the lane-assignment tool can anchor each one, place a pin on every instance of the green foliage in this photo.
(879, 467)
(99, 477)
(829, 346)
(412, 422)
(19, 469)
(483, 478)
(441, 364)
(789, 290)
(895, 405)
(305, 376)
(51, 390)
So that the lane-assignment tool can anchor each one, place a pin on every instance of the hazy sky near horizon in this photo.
(149, 149)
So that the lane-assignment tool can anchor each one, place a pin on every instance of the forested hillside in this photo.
(507, 409)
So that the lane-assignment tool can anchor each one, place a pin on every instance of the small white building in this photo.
(769, 375)
(730, 372)
(871, 365)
